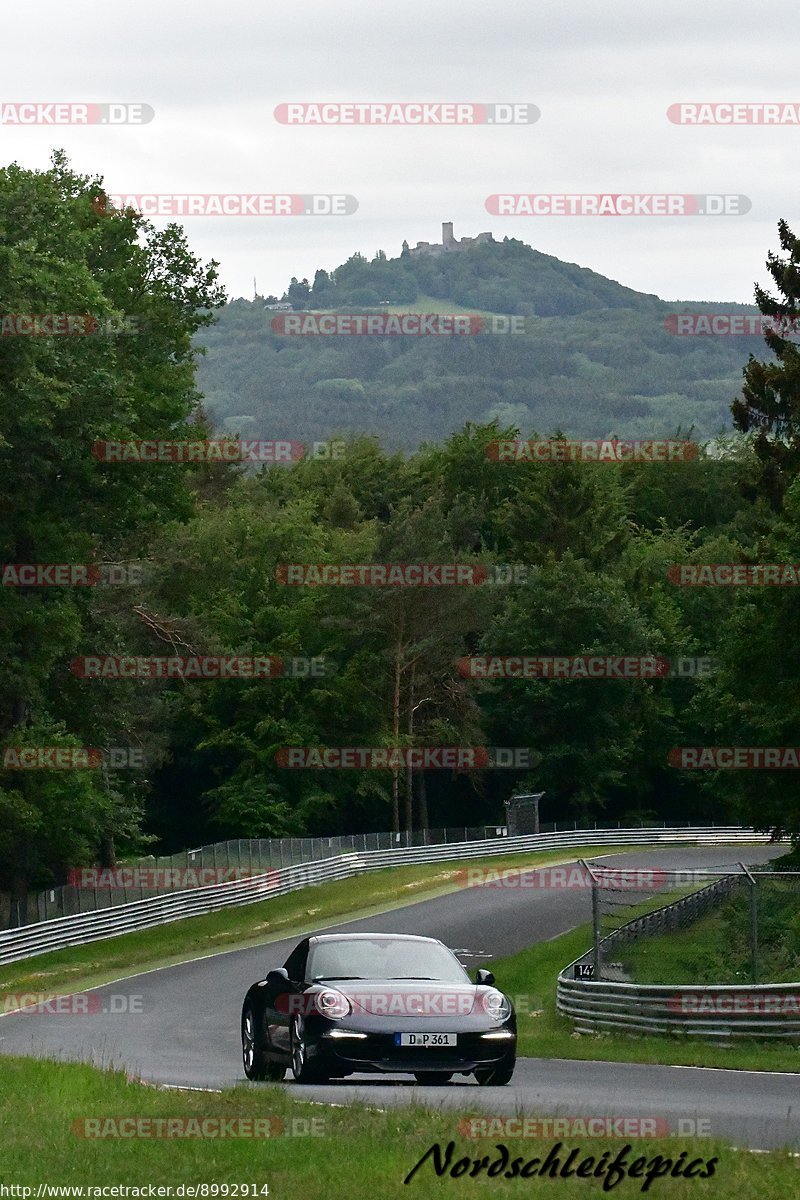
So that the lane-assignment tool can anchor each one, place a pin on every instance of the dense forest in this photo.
(595, 358)
(600, 543)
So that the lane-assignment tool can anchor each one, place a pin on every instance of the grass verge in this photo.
(718, 949)
(700, 953)
(530, 979)
(355, 1152)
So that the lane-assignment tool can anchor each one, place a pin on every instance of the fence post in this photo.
(753, 924)
(595, 917)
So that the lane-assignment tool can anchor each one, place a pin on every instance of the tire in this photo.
(302, 1071)
(496, 1076)
(433, 1078)
(255, 1062)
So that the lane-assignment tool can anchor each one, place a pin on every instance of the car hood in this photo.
(410, 997)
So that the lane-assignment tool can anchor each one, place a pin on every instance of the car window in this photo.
(295, 965)
(384, 958)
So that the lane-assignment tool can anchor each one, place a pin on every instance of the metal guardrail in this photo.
(238, 858)
(718, 1011)
(708, 1011)
(61, 932)
(219, 862)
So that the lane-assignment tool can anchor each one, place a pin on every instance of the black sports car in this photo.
(394, 1003)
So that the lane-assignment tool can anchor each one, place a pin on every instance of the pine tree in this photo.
(770, 404)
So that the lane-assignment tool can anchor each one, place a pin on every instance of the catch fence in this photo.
(713, 952)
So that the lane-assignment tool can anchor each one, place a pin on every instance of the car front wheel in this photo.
(256, 1065)
(302, 1071)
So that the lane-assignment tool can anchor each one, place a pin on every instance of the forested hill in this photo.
(595, 358)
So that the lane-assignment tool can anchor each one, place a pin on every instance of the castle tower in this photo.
(448, 241)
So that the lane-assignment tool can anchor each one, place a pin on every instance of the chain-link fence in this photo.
(710, 926)
(92, 888)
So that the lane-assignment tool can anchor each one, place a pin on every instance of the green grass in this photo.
(696, 954)
(530, 979)
(717, 948)
(355, 1153)
(80, 967)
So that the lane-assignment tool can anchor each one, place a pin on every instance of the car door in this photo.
(278, 1002)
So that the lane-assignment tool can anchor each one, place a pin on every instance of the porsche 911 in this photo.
(371, 1002)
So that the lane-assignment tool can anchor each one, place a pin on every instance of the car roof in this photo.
(359, 937)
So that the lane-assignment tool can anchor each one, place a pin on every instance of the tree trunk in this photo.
(19, 707)
(108, 851)
(409, 814)
(396, 737)
(422, 801)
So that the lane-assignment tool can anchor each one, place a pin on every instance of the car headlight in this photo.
(497, 1005)
(333, 1004)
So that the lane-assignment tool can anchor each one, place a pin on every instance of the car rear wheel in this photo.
(495, 1076)
(256, 1064)
(433, 1078)
(302, 1070)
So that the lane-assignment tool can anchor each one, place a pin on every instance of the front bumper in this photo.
(378, 1052)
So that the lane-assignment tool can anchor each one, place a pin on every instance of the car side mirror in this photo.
(482, 976)
(278, 980)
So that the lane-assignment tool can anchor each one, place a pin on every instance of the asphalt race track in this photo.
(186, 1031)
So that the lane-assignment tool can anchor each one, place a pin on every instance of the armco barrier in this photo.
(719, 1012)
(17, 944)
(711, 1011)
(235, 858)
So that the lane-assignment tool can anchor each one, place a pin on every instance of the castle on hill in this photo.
(449, 244)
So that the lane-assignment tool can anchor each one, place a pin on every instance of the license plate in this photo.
(426, 1039)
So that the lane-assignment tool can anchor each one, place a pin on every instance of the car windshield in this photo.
(384, 958)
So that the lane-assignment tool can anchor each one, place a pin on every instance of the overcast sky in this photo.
(603, 76)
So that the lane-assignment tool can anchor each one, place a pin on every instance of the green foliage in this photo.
(770, 404)
(58, 503)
